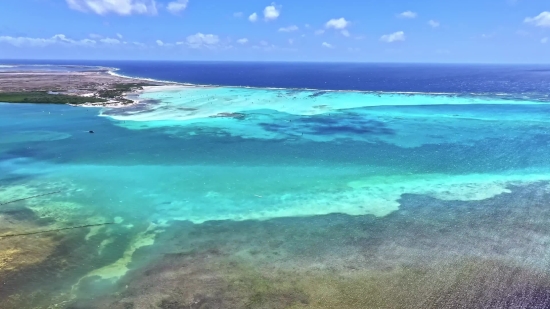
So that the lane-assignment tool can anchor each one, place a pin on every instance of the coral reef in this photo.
(429, 254)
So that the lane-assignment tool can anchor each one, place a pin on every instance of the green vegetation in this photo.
(116, 92)
(44, 97)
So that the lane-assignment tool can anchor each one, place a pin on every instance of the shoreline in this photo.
(134, 96)
(106, 88)
(87, 88)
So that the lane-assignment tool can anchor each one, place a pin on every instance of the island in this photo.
(89, 87)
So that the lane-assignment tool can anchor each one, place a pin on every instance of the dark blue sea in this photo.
(448, 78)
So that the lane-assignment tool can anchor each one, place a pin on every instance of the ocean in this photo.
(386, 77)
(284, 185)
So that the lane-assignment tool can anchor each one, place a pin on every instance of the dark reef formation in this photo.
(429, 254)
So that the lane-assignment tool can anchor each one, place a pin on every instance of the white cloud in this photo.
(271, 12)
(407, 14)
(163, 44)
(110, 41)
(264, 43)
(242, 41)
(433, 23)
(544, 40)
(95, 36)
(177, 6)
(119, 35)
(345, 33)
(290, 41)
(339, 24)
(289, 28)
(319, 32)
(307, 26)
(25, 41)
(394, 37)
(41, 42)
(201, 40)
(62, 38)
(86, 42)
(354, 49)
(327, 45)
(121, 7)
(542, 20)
(253, 17)
(238, 14)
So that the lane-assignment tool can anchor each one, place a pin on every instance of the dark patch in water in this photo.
(318, 94)
(238, 116)
(12, 178)
(330, 125)
(19, 214)
(320, 106)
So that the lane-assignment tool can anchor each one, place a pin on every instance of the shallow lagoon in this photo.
(240, 197)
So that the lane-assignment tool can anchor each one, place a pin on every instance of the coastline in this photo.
(134, 95)
(107, 88)
(88, 88)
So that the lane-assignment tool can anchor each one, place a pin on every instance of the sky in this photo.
(442, 31)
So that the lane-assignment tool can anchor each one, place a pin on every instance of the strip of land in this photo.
(88, 88)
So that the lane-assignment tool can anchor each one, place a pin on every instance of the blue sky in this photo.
(488, 31)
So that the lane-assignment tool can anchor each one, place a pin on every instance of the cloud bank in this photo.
(120, 7)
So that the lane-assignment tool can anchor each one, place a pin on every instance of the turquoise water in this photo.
(218, 160)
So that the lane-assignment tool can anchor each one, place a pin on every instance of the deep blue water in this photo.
(452, 78)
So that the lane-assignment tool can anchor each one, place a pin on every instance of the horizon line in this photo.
(277, 61)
